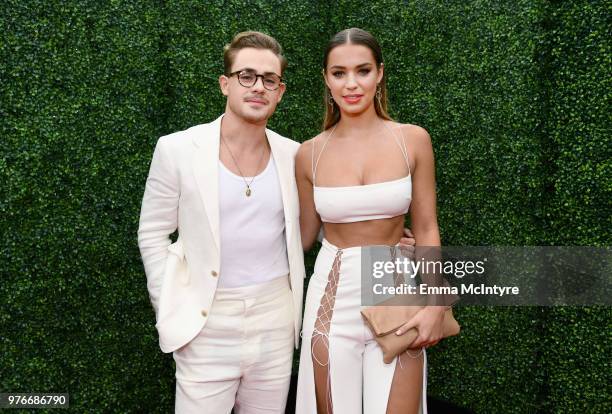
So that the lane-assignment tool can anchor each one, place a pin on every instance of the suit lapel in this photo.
(206, 171)
(283, 165)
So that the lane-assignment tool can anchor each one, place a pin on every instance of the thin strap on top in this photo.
(399, 141)
(402, 144)
(315, 164)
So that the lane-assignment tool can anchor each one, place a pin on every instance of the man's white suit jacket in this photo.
(182, 191)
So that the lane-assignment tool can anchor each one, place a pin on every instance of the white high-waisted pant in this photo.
(360, 381)
(242, 358)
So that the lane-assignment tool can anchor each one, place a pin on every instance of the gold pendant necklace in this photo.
(248, 190)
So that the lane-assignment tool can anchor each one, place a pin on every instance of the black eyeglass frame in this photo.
(257, 76)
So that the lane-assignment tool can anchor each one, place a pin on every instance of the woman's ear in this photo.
(381, 71)
(324, 77)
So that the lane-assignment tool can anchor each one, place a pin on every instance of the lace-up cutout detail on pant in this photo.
(320, 339)
(341, 365)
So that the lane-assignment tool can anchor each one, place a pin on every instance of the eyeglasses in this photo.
(248, 78)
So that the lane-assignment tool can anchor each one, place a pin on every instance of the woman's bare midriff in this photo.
(365, 233)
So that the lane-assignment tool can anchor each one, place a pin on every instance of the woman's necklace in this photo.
(248, 190)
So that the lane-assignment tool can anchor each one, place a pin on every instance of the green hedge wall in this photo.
(514, 94)
(577, 91)
(80, 98)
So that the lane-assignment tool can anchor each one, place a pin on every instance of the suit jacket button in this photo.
(204, 313)
(214, 274)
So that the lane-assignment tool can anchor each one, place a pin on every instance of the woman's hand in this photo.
(428, 323)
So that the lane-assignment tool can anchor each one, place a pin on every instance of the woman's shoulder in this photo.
(410, 130)
(412, 134)
(309, 142)
(304, 154)
(309, 145)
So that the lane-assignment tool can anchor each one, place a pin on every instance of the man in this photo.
(228, 292)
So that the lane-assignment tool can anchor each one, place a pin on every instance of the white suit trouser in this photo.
(242, 358)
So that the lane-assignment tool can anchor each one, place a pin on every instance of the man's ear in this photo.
(224, 84)
(281, 91)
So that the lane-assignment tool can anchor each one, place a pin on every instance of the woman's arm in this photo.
(424, 224)
(310, 222)
(423, 210)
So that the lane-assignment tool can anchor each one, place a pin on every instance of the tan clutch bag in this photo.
(385, 320)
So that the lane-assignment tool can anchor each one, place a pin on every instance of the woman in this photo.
(359, 178)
